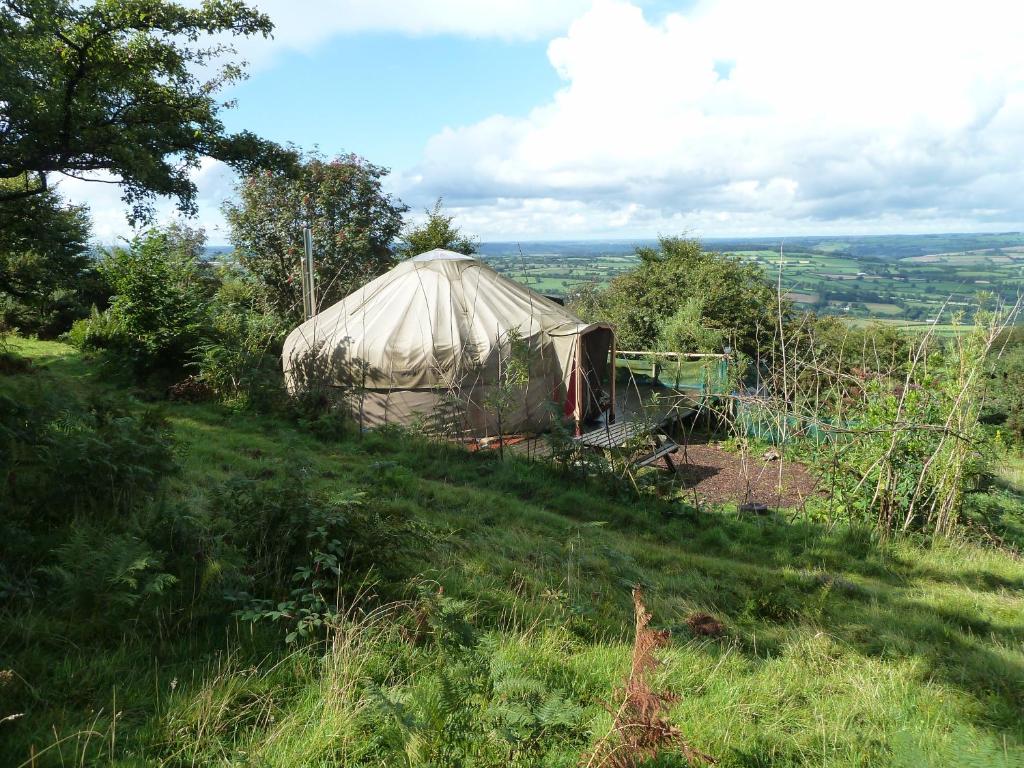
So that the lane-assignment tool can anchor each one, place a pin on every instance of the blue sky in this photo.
(623, 119)
(384, 95)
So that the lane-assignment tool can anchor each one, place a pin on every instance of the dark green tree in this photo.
(438, 231)
(122, 86)
(354, 224)
(1006, 387)
(159, 309)
(701, 297)
(46, 273)
(588, 301)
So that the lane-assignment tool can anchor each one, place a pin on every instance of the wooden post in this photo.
(579, 393)
(611, 409)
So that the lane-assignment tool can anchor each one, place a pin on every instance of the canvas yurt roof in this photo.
(418, 324)
(436, 321)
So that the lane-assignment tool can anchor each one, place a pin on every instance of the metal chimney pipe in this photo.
(308, 273)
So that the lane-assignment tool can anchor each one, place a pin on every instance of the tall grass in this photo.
(1009, 469)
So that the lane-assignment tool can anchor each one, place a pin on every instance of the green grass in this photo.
(939, 329)
(883, 309)
(802, 298)
(1010, 471)
(838, 651)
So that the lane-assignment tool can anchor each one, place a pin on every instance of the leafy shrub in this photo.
(703, 298)
(771, 600)
(62, 459)
(104, 577)
(158, 311)
(100, 330)
(1006, 406)
(892, 424)
(685, 331)
(238, 359)
(109, 459)
(917, 445)
(66, 458)
(324, 546)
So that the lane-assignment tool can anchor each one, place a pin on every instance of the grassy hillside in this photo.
(836, 651)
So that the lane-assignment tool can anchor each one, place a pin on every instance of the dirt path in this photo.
(719, 477)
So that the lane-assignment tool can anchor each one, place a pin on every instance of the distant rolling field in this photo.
(906, 280)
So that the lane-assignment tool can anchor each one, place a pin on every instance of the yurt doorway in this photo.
(596, 375)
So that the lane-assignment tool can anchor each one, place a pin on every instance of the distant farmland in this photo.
(901, 279)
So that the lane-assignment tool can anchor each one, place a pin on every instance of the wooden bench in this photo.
(613, 436)
(663, 451)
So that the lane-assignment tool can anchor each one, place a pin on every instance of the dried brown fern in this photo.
(640, 730)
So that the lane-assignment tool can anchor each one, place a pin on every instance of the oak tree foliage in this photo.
(46, 274)
(353, 221)
(127, 87)
(438, 231)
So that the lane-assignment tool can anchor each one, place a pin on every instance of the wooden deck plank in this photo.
(612, 435)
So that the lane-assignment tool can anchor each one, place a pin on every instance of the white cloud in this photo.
(868, 116)
(213, 179)
(736, 117)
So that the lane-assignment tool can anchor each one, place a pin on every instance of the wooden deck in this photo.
(609, 436)
(639, 409)
(533, 448)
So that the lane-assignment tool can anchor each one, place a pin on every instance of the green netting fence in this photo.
(711, 383)
(707, 376)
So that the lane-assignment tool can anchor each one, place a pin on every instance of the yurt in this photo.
(430, 343)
